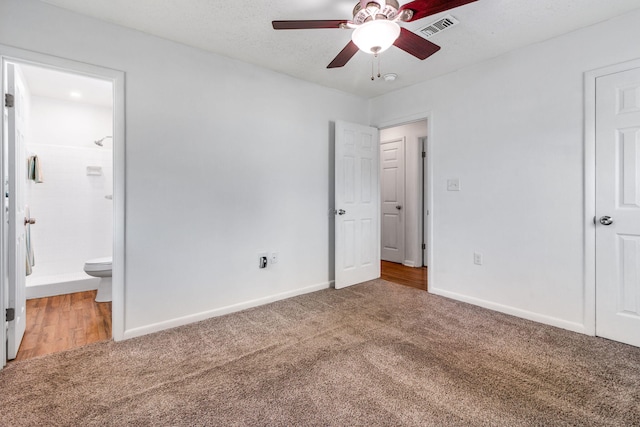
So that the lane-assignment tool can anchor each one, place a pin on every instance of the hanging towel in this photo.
(31, 260)
(34, 170)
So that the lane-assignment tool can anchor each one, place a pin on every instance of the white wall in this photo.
(223, 160)
(412, 132)
(74, 220)
(511, 129)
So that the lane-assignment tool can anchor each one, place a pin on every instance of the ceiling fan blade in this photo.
(415, 45)
(344, 56)
(307, 25)
(422, 8)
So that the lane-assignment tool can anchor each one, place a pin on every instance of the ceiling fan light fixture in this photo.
(376, 36)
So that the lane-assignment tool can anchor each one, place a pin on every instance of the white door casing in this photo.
(16, 231)
(617, 210)
(392, 203)
(357, 230)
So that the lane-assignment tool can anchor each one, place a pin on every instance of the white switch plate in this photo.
(274, 258)
(453, 184)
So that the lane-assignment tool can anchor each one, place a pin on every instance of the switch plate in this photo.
(274, 258)
(453, 184)
(477, 258)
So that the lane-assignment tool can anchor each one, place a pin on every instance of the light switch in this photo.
(453, 184)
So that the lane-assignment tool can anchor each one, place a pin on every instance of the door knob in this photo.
(606, 220)
(29, 221)
(341, 212)
(398, 207)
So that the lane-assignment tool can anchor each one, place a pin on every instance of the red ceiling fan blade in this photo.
(307, 25)
(415, 45)
(422, 8)
(344, 56)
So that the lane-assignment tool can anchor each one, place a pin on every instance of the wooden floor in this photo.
(403, 275)
(63, 322)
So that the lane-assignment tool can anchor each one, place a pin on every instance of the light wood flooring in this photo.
(63, 322)
(403, 275)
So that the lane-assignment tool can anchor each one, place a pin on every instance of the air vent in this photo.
(438, 26)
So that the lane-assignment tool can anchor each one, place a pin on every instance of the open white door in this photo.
(618, 206)
(357, 205)
(16, 213)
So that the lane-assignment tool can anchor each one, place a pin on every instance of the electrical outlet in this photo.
(274, 258)
(263, 259)
(477, 258)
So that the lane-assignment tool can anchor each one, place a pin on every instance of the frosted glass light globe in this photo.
(376, 36)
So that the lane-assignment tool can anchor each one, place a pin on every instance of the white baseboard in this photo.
(409, 263)
(529, 315)
(180, 321)
(61, 287)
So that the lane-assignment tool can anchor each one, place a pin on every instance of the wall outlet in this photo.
(263, 259)
(477, 258)
(453, 184)
(274, 258)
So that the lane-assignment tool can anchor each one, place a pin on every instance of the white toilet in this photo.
(101, 267)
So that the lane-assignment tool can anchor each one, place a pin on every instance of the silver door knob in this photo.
(29, 221)
(398, 207)
(341, 212)
(606, 220)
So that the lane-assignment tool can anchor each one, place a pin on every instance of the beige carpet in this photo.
(374, 354)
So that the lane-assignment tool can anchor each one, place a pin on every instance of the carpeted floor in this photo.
(375, 354)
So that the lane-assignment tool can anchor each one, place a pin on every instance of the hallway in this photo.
(403, 275)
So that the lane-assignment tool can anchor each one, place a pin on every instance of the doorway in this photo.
(402, 199)
(68, 107)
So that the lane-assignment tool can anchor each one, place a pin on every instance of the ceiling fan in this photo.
(376, 28)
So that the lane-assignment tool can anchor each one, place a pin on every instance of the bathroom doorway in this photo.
(72, 185)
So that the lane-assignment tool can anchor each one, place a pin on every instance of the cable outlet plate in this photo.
(453, 184)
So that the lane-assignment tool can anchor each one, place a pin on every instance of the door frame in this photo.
(427, 182)
(117, 78)
(590, 78)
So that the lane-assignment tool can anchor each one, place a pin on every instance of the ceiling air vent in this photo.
(438, 26)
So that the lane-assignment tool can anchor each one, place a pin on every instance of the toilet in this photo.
(101, 268)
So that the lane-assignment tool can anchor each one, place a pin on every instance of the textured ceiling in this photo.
(242, 29)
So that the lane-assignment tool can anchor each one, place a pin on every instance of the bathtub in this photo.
(60, 284)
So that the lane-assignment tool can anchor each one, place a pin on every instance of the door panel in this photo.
(16, 126)
(618, 197)
(357, 210)
(392, 164)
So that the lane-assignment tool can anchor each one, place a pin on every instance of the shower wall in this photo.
(73, 215)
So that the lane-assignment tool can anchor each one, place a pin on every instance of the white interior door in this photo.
(357, 205)
(618, 206)
(16, 213)
(392, 190)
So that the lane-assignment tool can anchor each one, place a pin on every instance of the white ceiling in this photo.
(242, 29)
(66, 86)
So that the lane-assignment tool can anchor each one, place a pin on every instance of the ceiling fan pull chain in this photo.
(372, 59)
(378, 66)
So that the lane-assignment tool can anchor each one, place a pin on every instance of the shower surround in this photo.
(74, 214)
